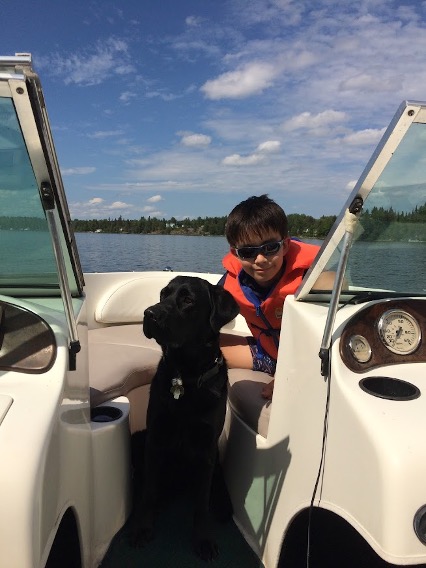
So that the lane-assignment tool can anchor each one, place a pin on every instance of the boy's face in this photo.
(264, 268)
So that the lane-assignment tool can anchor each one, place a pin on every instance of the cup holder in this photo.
(389, 388)
(105, 414)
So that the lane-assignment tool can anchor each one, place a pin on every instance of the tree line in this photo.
(376, 224)
(299, 225)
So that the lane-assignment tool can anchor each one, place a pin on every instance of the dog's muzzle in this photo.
(150, 323)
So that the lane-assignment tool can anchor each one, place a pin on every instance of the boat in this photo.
(331, 472)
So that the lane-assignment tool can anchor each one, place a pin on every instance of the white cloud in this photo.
(270, 146)
(362, 137)
(119, 205)
(251, 79)
(126, 96)
(148, 209)
(155, 199)
(351, 184)
(257, 157)
(196, 140)
(310, 121)
(163, 95)
(78, 171)
(91, 66)
(237, 160)
(372, 82)
(105, 134)
(193, 21)
(98, 208)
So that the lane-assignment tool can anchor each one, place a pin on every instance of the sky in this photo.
(183, 108)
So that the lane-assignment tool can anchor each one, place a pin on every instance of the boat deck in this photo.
(172, 545)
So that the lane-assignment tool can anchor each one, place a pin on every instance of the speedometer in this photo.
(399, 332)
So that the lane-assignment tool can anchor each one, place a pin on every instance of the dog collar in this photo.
(177, 389)
(218, 362)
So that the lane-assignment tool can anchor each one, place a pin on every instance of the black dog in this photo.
(187, 403)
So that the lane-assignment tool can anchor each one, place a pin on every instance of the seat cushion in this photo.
(121, 359)
(245, 398)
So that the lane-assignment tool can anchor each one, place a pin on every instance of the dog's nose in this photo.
(149, 314)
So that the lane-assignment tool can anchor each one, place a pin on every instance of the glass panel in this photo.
(389, 247)
(27, 258)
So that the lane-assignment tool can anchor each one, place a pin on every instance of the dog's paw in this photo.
(141, 530)
(139, 536)
(206, 548)
(205, 545)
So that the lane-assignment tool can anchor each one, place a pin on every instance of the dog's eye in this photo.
(187, 300)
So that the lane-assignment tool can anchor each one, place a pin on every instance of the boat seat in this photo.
(245, 398)
(121, 359)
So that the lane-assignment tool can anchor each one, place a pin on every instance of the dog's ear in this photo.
(224, 307)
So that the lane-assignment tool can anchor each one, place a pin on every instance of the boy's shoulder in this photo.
(301, 254)
(231, 264)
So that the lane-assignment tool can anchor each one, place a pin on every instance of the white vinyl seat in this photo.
(245, 398)
(121, 359)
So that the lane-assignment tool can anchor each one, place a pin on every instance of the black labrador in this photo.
(187, 404)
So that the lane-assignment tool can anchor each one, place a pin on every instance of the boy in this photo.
(263, 266)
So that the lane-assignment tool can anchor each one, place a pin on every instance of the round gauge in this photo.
(360, 348)
(399, 332)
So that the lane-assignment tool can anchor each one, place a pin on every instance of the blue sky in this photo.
(182, 108)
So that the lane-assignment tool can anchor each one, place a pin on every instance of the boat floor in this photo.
(172, 547)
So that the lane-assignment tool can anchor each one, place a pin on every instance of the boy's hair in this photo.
(255, 216)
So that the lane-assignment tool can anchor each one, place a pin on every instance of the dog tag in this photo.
(177, 389)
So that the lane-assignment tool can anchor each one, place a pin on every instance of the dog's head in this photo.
(190, 310)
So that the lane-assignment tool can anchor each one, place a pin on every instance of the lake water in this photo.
(386, 265)
(394, 266)
(103, 252)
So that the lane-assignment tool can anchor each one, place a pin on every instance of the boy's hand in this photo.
(268, 390)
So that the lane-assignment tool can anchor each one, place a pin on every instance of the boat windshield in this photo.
(29, 264)
(25, 243)
(388, 251)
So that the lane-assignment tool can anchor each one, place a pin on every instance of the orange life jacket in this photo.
(264, 317)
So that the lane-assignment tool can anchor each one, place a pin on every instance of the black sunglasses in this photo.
(268, 249)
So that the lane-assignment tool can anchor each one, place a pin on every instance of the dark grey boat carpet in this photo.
(172, 545)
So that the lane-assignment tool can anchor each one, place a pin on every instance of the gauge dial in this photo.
(360, 348)
(399, 332)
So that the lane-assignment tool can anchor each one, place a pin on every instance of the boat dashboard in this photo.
(385, 333)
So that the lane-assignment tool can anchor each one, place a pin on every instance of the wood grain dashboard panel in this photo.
(365, 323)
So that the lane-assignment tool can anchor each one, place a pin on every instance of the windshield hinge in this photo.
(73, 349)
(47, 196)
(356, 206)
(324, 355)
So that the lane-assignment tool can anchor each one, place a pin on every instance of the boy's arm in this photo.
(325, 281)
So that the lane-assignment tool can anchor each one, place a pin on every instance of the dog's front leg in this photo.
(204, 543)
(145, 506)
